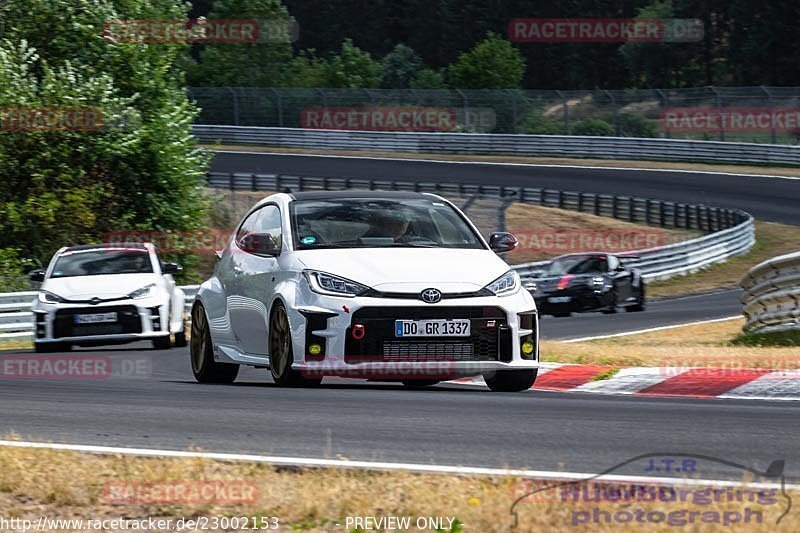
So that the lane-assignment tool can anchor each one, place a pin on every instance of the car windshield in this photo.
(99, 262)
(379, 223)
(580, 264)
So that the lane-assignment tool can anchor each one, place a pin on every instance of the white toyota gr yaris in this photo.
(390, 286)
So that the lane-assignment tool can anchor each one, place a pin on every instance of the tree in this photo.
(593, 127)
(136, 168)
(428, 79)
(306, 70)
(352, 68)
(259, 64)
(400, 67)
(493, 64)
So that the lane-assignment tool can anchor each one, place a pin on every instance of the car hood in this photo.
(409, 269)
(106, 286)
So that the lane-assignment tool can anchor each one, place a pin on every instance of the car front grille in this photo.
(128, 321)
(485, 343)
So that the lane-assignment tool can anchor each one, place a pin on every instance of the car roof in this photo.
(357, 193)
(115, 245)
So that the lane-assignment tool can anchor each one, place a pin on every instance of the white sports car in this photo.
(392, 286)
(107, 294)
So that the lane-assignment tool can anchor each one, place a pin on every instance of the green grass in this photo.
(778, 338)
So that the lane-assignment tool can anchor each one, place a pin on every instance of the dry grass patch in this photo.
(535, 226)
(772, 239)
(67, 485)
(668, 165)
(699, 345)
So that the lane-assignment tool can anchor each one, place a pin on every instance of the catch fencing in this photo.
(627, 113)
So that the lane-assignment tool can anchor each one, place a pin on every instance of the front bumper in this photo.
(144, 319)
(355, 337)
(585, 300)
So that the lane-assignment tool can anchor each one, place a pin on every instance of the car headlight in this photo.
(508, 283)
(49, 298)
(142, 293)
(325, 283)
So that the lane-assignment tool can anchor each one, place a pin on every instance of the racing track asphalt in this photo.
(766, 198)
(449, 424)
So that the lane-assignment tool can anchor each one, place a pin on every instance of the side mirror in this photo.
(36, 276)
(260, 244)
(171, 268)
(502, 242)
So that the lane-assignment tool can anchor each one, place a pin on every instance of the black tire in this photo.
(201, 350)
(419, 383)
(52, 347)
(162, 343)
(180, 337)
(640, 305)
(611, 309)
(563, 315)
(511, 380)
(281, 355)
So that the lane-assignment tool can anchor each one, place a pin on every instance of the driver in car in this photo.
(392, 225)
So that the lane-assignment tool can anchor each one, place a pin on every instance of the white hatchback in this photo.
(107, 294)
(393, 286)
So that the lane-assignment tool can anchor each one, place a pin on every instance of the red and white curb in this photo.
(749, 384)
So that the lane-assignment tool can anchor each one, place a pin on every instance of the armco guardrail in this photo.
(493, 144)
(730, 231)
(16, 318)
(772, 295)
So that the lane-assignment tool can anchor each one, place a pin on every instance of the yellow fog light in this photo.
(527, 347)
(314, 349)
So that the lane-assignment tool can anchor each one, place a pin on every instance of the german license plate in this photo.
(432, 328)
(559, 299)
(96, 318)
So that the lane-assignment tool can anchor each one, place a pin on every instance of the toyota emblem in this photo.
(430, 296)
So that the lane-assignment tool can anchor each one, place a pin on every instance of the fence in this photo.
(519, 145)
(629, 113)
(772, 295)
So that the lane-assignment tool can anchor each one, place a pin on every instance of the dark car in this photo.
(587, 282)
